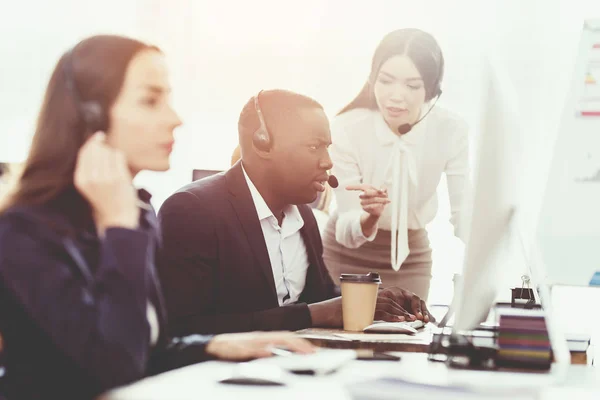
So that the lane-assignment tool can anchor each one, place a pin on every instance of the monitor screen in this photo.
(492, 203)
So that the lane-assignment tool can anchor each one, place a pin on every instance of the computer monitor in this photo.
(492, 203)
(495, 237)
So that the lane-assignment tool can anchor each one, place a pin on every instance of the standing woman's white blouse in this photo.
(365, 150)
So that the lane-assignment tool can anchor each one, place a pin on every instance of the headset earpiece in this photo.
(437, 87)
(90, 112)
(93, 116)
(436, 90)
(261, 138)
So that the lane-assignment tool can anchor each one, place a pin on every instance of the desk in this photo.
(332, 338)
(419, 343)
(201, 381)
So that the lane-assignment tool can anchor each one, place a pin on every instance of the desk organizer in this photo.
(523, 340)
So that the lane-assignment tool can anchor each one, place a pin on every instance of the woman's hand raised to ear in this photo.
(373, 202)
(104, 180)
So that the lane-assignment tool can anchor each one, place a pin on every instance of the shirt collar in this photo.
(262, 209)
(144, 195)
(291, 212)
(144, 198)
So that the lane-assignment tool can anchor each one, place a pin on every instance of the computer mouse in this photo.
(390, 327)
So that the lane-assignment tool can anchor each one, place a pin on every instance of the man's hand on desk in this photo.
(248, 346)
(393, 305)
(414, 308)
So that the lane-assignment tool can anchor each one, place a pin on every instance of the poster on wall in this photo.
(568, 232)
(589, 102)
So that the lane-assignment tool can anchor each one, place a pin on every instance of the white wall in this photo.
(225, 52)
(33, 35)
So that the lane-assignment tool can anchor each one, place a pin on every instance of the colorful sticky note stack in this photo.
(523, 340)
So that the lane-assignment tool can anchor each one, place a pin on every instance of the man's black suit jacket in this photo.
(215, 268)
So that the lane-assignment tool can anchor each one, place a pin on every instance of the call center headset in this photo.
(262, 140)
(91, 112)
(435, 95)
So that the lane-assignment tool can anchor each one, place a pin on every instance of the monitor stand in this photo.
(457, 350)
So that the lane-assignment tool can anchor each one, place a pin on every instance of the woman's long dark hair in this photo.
(96, 67)
(423, 50)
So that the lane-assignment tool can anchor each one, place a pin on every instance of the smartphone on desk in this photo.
(371, 355)
(322, 362)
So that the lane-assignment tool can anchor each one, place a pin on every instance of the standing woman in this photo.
(392, 145)
(81, 309)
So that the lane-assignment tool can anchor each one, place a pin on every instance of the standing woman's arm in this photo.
(351, 216)
(457, 172)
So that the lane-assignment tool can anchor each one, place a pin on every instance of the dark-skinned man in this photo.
(242, 250)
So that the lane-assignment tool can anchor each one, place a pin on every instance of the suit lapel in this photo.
(156, 291)
(242, 202)
(306, 235)
(313, 276)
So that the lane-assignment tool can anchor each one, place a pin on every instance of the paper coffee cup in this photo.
(359, 297)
